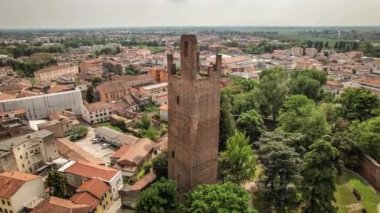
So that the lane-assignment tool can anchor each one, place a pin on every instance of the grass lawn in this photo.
(344, 196)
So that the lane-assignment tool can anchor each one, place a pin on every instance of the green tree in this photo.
(349, 152)
(271, 91)
(57, 184)
(308, 83)
(300, 115)
(160, 165)
(280, 175)
(367, 135)
(251, 123)
(330, 112)
(223, 198)
(237, 163)
(227, 122)
(78, 133)
(160, 197)
(358, 103)
(243, 102)
(318, 182)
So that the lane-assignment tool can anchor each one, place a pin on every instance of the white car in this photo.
(105, 145)
(96, 140)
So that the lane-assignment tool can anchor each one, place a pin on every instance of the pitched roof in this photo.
(137, 152)
(58, 205)
(95, 187)
(86, 199)
(11, 182)
(97, 106)
(89, 170)
(53, 68)
(74, 152)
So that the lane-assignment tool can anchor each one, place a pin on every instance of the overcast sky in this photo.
(126, 13)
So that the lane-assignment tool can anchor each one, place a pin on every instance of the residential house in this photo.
(77, 172)
(132, 159)
(130, 193)
(114, 137)
(52, 73)
(97, 112)
(28, 153)
(94, 193)
(54, 204)
(17, 189)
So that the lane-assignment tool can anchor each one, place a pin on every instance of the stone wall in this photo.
(370, 170)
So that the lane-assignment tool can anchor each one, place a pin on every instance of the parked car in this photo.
(105, 145)
(96, 140)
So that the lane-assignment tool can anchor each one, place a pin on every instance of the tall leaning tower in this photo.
(194, 96)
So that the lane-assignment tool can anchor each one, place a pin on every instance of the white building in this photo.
(28, 153)
(96, 112)
(38, 107)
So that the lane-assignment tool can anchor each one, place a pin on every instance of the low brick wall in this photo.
(370, 170)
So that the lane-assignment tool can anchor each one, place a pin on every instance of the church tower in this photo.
(194, 96)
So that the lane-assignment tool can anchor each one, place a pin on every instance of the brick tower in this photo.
(194, 96)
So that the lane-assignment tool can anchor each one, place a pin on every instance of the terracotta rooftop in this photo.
(94, 186)
(53, 68)
(74, 152)
(137, 152)
(113, 86)
(58, 205)
(97, 106)
(141, 184)
(11, 182)
(89, 170)
(85, 198)
(5, 96)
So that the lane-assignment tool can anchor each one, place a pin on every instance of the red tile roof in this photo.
(86, 199)
(11, 182)
(58, 205)
(89, 170)
(94, 186)
(137, 152)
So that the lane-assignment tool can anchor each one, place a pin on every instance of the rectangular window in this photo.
(177, 100)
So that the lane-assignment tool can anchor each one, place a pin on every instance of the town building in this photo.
(130, 193)
(93, 67)
(296, 51)
(119, 89)
(164, 112)
(17, 189)
(28, 153)
(94, 193)
(78, 172)
(40, 106)
(97, 112)
(154, 89)
(311, 52)
(131, 157)
(194, 97)
(160, 74)
(114, 137)
(55, 204)
(49, 74)
(74, 152)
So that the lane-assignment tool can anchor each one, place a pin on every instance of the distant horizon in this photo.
(189, 26)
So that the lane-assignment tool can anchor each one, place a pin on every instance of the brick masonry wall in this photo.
(370, 170)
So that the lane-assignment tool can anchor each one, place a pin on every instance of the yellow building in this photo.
(94, 193)
(17, 189)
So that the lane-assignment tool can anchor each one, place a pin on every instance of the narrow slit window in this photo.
(186, 48)
(177, 100)
(173, 154)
